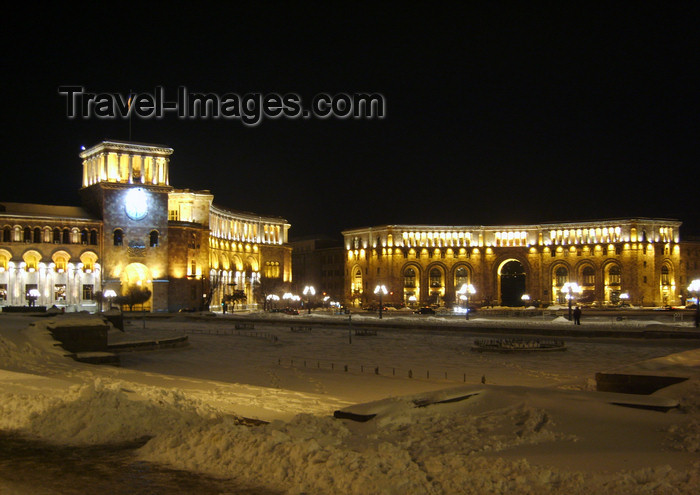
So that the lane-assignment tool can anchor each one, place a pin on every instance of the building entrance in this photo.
(512, 275)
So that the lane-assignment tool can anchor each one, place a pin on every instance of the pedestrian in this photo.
(577, 315)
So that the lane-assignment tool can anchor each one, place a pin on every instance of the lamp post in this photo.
(465, 291)
(32, 296)
(525, 299)
(694, 288)
(381, 291)
(109, 294)
(570, 288)
(308, 292)
(624, 297)
(270, 298)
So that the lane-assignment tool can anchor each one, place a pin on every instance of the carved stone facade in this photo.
(54, 250)
(136, 229)
(637, 261)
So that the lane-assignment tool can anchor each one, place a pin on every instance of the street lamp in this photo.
(624, 297)
(570, 288)
(308, 292)
(694, 287)
(464, 293)
(381, 291)
(272, 297)
(525, 298)
(32, 296)
(109, 294)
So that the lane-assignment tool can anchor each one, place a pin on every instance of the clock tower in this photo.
(126, 185)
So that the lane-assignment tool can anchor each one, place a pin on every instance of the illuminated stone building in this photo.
(54, 250)
(638, 260)
(136, 229)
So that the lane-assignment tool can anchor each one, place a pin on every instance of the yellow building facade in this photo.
(637, 261)
(135, 229)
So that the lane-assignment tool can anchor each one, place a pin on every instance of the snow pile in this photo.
(466, 439)
(439, 448)
(101, 413)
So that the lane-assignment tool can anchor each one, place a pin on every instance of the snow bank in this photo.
(434, 449)
(495, 439)
(98, 413)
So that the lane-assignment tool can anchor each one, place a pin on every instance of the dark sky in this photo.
(496, 115)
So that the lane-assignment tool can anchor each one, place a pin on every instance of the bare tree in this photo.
(132, 295)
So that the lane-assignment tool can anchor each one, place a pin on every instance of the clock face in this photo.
(136, 204)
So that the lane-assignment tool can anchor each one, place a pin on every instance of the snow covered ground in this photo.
(534, 426)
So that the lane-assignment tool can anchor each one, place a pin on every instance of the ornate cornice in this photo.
(127, 147)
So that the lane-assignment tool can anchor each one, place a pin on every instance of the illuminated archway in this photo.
(411, 284)
(138, 274)
(356, 286)
(512, 282)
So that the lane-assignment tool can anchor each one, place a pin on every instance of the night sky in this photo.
(495, 115)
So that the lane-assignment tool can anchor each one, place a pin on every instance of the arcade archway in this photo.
(512, 279)
(139, 275)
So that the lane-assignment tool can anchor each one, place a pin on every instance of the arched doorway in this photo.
(137, 275)
(512, 274)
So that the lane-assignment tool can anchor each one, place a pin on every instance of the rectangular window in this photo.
(645, 279)
(87, 292)
(174, 215)
(59, 292)
(3, 292)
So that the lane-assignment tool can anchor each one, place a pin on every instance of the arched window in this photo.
(31, 258)
(61, 259)
(562, 276)
(4, 260)
(664, 275)
(84, 236)
(461, 277)
(88, 259)
(57, 235)
(357, 281)
(409, 277)
(435, 278)
(7, 234)
(614, 275)
(66, 236)
(37, 235)
(588, 275)
(153, 238)
(27, 234)
(93, 237)
(118, 237)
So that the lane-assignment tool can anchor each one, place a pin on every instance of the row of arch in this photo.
(59, 260)
(227, 261)
(511, 274)
(46, 234)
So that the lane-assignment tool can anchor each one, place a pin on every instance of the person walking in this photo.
(577, 315)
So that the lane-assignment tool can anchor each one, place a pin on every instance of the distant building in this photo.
(319, 262)
(641, 261)
(136, 229)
